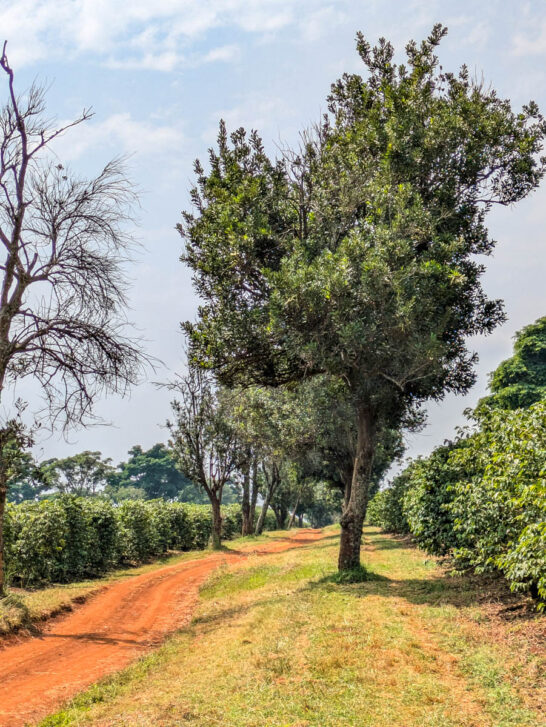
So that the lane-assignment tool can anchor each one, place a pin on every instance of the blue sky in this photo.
(159, 75)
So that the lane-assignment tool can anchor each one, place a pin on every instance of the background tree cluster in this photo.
(258, 440)
(146, 475)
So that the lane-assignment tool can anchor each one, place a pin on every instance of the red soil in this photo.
(38, 674)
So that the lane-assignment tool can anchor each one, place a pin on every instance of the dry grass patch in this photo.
(276, 643)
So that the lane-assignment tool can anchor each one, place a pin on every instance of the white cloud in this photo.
(139, 34)
(529, 38)
(27, 25)
(530, 42)
(321, 22)
(265, 17)
(167, 61)
(120, 134)
(478, 35)
(225, 53)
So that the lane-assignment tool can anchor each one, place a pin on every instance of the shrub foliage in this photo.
(68, 538)
(481, 500)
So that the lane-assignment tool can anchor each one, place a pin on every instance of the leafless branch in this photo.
(62, 287)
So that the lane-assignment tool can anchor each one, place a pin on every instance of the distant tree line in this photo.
(155, 474)
(146, 475)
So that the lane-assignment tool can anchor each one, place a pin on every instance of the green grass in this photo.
(277, 641)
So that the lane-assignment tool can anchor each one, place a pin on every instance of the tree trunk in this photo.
(253, 493)
(216, 535)
(300, 521)
(3, 496)
(261, 520)
(347, 478)
(293, 516)
(354, 508)
(245, 503)
(272, 486)
(280, 515)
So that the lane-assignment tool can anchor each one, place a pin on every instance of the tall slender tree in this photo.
(204, 441)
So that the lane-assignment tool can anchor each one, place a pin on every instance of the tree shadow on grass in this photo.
(322, 545)
(461, 591)
(390, 544)
(445, 589)
(208, 621)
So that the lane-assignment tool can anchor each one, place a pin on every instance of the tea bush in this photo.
(499, 514)
(386, 507)
(430, 492)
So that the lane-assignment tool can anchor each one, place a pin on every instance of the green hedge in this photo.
(500, 513)
(428, 502)
(68, 538)
(482, 500)
(385, 508)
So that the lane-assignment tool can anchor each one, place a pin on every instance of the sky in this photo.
(159, 77)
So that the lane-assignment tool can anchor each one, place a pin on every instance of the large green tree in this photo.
(82, 474)
(521, 380)
(154, 471)
(356, 255)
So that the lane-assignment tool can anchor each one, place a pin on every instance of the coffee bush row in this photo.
(69, 538)
(481, 500)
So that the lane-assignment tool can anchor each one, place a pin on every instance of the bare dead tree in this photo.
(62, 287)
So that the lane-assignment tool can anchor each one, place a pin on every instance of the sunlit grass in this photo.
(276, 642)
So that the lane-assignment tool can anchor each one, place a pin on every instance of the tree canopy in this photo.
(83, 474)
(154, 472)
(356, 255)
(521, 380)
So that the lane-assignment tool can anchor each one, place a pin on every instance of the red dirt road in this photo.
(115, 627)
